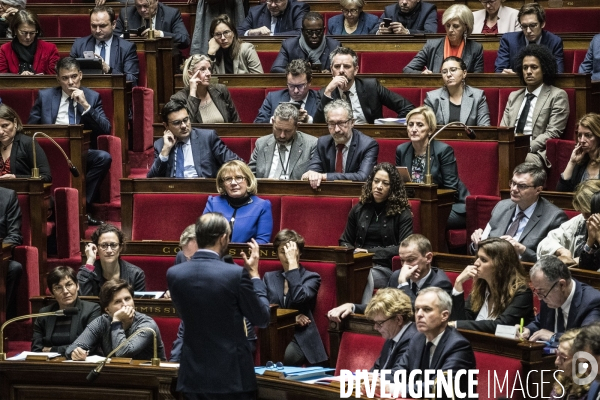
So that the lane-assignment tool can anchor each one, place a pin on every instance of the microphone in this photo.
(470, 134)
(91, 377)
(35, 172)
(59, 313)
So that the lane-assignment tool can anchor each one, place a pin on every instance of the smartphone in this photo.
(316, 67)
(88, 55)
(387, 22)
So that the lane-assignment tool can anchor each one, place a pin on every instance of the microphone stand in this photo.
(470, 134)
(35, 172)
(155, 360)
(126, 34)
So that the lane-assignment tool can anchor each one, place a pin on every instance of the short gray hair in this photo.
(344, 51)
(188, 234)
(552, 268)
(338, 104)
(462, 13)
(20, 4)
(443, 297)
(286, 111)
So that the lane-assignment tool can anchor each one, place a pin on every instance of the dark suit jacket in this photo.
(303, 287)
(168, 20)
(274, 98)
(212, 298)
(208, 150)
(432, 55)
(545, 217)
(591, 63)
(437, 278)
(372, 97)
(474, 110)
(424, 22)
(570, 185)
(10, 217)
(219, 95)
(45, 111)
(398, 351)
(366, 23)
(594, 389)
(21, 158)
(43, 327)
(291, 50)
(584, 310)
(291, 20)
(123, 55)
(444, 170)
(511, 44)
(362, 157)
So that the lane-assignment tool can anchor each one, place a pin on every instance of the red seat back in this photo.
(498, 368)
(385, 63)
(491, 96)
(108, 106)
(267, 58)
(387, 150)
(29, 285)
(50, 27)
(489, 59)
(326, 297)
(558, 152)
(168, 328)
(467, 285)
(20, 100)
(576, 19)
(142, 76)
(143, 117)
(275, 201)
(358, 351)
(478, 165)
(247, 102)
(155, 268)
(111, 186)
(67, 223)
(25, 218)
(61, 176)
(415, 208)
(479, 212)
(239, 145)
(74, 25)
(411, 94)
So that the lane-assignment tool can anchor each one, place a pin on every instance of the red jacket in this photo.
(46, 57)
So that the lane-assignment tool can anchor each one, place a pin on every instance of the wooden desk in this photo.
(5, 257)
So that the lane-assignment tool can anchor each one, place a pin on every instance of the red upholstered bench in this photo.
(558, 152)
(489, 61)
(141, 155)
(73, 25)
(108, 205)
(240, 146)
(247, 102)
(267, 58)
(21, 100)
(385, 62)
(576, 19)
(154, 267)
(67, 230)
(491, 96)
(479, 212)
(500, 367)
(358, 351)
(50, 27)
(387, 150)
(411, 94)
(168, 328)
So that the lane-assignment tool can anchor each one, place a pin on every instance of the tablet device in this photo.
(90, 66)
(404, 175)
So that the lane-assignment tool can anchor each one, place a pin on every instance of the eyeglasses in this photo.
(272, 365)
(178, 122)
(379, 324)
(530, 26)
(543, 296)
(105, 246)
(27, 33)
(520, 186)
(274, 1)
(341, 124)
(452, 70)
(59, 289)
(225, 34)
(313, 32)
(238, 179)
(300, 87)
(353, 11)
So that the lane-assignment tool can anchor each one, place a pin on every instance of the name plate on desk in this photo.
(37, 357)
(506, 331)
(120, 360)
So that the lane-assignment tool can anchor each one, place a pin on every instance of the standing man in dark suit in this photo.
(366, 96)
(312, 45)
(344, 154)
(524, 219)
(299, 78)
(212, 298)
(286, 153)
(10, 232)
(71, 103)
(186, 152)
(409, 17)
(275, 17)
(532, 18)
(118, 56)
(566, 303)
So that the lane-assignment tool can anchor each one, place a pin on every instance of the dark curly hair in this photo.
(397, 200)
(545, 58)
(108, 228)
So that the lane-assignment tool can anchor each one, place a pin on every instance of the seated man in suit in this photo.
(408, 17)
(524, 219)
(540, 109)
(164, 20)
(566, 303)
(365, 95)
(312, 45)
(591, 62)
(286, 153)
(186, 152)
(275, 17)
(10, 232)
(532, 18)
(299, 77)
(118, 56)
(71, 103)
(344, 154)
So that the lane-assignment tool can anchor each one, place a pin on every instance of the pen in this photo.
(521, 328)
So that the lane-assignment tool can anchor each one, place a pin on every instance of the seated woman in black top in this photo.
(55, 334)
(500, 293)
(107, 242)
(379, 223)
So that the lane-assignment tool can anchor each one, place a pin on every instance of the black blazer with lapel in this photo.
(291, 20)
(387, 361)
(10, 217)
(274, 98)
(220, 97)
(432, 55)
(21, 158)
(291, 50)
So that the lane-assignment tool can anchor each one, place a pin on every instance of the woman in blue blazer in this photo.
(249, 216)
(352, 21)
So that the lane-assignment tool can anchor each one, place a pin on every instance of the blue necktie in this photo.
(277, 25)
(179, 162)
(72, 119)
(102, 50)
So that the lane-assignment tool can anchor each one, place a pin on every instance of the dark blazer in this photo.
(511, 44)
(362, 157)
(437, 278)
(432, 55)
(474, 110)
(123, 55)
(290, 24)
(302, 296)
(545, 217)
(372, 97)
(219, 95)
(212, 298)
(584, 310)
(44, 61)
(168, 20)
(593, 392)
(520, 307)
(43, 327)
(21, 158)
(291, 50)
(274, 98)
(569, 185)
(444, 170)
(590, 261)
(385, 360)
(10, 217)
(425, 20)
(208, 150)
(45, 111)
(366, 23)
(591, 63)
(90, 282)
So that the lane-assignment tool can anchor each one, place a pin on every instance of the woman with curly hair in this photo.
(564, 387)
(500, 294)
(378, 223)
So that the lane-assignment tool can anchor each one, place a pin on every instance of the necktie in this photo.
(560, 320)
(426, 356)
(512, 229)
(347, 97)
(524, 113)
(279, 170)
(179, 161)
(103, 50)
(414, 288)
(339, 159)
(277, 25)
(72, 119)
(389, 354)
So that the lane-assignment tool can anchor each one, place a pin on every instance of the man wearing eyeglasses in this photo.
(275, 17)
(532, 18)
(186, 152)
(409, 17)
(524, 219)
(312, 46)
(566, 303)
